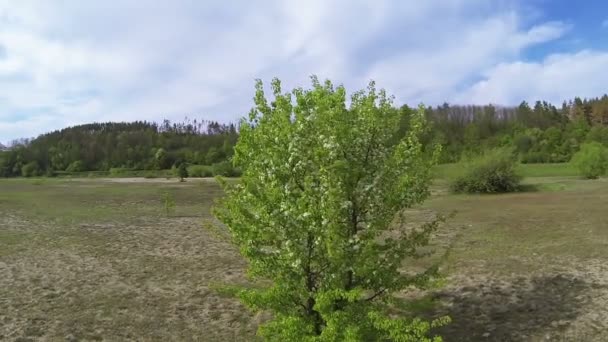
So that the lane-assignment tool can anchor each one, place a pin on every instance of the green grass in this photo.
(116, 173)
(549, 170)
(100, 259)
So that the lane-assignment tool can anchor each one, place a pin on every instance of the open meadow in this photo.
(101, 259)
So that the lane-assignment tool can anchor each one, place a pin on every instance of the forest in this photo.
(120, 146)
(538, 133)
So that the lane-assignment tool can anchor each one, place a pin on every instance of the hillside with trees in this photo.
(539, 133)
(134, 146)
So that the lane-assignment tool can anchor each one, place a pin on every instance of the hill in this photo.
(541, 133)
(135, 145)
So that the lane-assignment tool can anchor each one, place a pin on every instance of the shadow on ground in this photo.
(520, 310)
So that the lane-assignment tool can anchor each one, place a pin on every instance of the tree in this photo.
(160, 158)
(30, 169)
(319, 213)
(134, 145)
(4, 168)
(591, 160)
(77, 166)
(182, 172)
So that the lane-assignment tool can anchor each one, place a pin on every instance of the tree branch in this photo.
(375, 295)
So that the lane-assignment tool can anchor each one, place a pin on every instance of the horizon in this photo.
(20, 140)
(66, 65)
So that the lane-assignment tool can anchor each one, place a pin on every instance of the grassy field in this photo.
(98, 259)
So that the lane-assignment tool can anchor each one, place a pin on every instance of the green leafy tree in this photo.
(30, 169)
(4, 168)
(77, 166)
(472, 140)
(319, 213)
(161, 159)
(591, 160)
(182, 172)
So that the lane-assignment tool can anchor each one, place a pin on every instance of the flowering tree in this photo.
(319, 213)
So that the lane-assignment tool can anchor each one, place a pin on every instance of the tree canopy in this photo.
(319, 212)
(539, 132)
(135, 145)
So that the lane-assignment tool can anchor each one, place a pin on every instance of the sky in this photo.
(71, 62)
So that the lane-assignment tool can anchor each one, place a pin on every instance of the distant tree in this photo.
(319, 213)
(134, 145)
(4, 168)
(30, 169)
(182, 172)
(591, 160)
(472, 139)
(77, 166)
(160, 157)
(598, 134)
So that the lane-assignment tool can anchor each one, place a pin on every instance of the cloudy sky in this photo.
(71, 62)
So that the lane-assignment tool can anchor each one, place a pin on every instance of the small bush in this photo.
(168, 203)
(200, 171)
(119, 171)
(494, 172)
(50, 173)
(591, 160)
(182, 172)
(225, 169)
(30, 169)
(150, 175)
(535, 158)
(77, 166)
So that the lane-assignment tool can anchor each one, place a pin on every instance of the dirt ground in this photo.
(87, 260)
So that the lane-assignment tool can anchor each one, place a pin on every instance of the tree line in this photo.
(136, 145)
(539, 133)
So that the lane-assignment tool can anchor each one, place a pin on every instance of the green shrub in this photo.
(150, 175)
(30, 169)
(5, 171)
(168, 203)
(591, 160)
(119, 171)
(524, 143)
(225, 169)
(182, 172)
(200, 171)
(50, 173)
(494, 172)
(77, 166)
(535, 158)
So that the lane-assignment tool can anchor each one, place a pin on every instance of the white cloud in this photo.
(557, 78)
(432, 72)
(89, 61)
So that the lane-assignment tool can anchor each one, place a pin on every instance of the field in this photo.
(99, 259)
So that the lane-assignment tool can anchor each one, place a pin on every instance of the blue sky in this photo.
(85, 61)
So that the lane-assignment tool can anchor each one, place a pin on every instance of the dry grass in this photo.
(98, 260)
